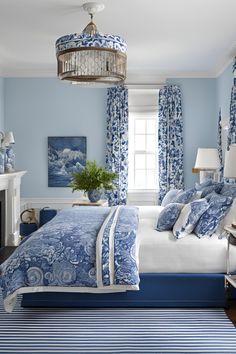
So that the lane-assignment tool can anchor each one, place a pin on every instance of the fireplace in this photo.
(10, 208)
(2, 218)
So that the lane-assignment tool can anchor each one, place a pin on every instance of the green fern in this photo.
(92, 177)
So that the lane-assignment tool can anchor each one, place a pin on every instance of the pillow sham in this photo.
(170, 196)
(229, 190)
(200, 186)
(185, 196)
(168, 216)
(209, 221)
(229, 218)
(189, 217)
(215, 187)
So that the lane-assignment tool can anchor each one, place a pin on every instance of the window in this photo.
(143, 166)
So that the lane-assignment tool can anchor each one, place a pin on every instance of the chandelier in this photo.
(91, 57)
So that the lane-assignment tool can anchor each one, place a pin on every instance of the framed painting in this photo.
(66, 154)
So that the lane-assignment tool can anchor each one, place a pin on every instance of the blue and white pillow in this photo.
(185, 196)
(189, 217)
(200, 186)
(229, 218)
(209, 221)
(168, 216)
(215, 187)
(170, 196)
(229, 190)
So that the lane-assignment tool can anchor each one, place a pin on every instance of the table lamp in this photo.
(207, 163)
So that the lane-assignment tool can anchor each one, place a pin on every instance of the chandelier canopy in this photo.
(91, 57)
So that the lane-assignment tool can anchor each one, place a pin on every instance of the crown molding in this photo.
(227, 60)
(136, 76)
(147, 78)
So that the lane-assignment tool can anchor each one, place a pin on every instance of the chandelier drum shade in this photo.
(91, 57)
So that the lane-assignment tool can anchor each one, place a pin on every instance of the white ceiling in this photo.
(166, 38)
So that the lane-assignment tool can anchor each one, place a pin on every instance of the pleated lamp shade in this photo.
(207, 159)
(9, 139)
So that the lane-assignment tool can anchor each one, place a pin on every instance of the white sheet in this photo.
(160, 252)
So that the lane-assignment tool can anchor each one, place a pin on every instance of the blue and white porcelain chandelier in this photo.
(91, 57)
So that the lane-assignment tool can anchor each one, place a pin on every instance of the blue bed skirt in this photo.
(156, 290)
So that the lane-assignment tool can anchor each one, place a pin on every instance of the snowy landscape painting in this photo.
(66, 154)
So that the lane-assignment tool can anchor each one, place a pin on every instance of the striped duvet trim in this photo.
(116, 331)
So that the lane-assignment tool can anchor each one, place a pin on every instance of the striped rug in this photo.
(116, 331)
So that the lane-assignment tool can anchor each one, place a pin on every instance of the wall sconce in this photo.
(207, 163)
(7, 156)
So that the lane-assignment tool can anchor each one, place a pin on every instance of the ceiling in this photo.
(166, 38)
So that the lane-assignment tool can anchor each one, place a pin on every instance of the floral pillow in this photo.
(229, 190)
(215, 187)
(209, 221)
(168, 216)
(200, 186)
(229, 218)
(185, 196)
(189, 217)
(170, 196)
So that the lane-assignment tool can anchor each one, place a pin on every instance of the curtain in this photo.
(117, 142)
(232, 118)
(170, 140)
(219, 146)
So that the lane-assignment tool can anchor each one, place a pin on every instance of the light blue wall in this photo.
(200, 120)
(2, 104)
(38, 108)
(224, 85)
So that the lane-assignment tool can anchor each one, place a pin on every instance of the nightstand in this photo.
(88, 203)
(230, 279)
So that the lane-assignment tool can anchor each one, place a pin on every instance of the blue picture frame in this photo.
(66, 154)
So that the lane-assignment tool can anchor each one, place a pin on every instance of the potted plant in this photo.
(93, 179)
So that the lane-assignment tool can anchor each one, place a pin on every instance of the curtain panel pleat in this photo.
(117, 142)
(219, 146)
(232, 120)
(170, 140)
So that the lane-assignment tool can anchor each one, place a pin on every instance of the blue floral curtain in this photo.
(117, 142)
(232, 119)
(170, 140)
(219, 146)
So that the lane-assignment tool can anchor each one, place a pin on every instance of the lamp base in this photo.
(209, 175)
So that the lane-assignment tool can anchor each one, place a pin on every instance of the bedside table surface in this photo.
(88, 203)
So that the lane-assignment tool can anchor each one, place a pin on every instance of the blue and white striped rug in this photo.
(116, 331)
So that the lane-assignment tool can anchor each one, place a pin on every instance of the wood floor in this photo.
(231, 311)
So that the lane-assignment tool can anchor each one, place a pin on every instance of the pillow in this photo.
(215, 187)
(189, 217)
(209, 221)
(212, 194)
(229, 218)
(200, 186)
(185, 196)
(170, 196)
(168, 216)
(229, 190)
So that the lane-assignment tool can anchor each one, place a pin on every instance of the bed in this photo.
(188, 272)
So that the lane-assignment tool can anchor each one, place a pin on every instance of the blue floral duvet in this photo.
(89, 249)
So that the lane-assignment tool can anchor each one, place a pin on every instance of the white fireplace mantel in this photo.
(10, 182)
